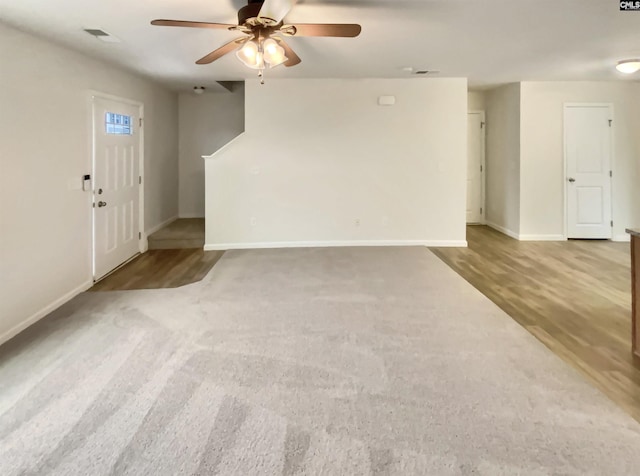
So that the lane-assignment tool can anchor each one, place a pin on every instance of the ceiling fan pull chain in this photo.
(261, 57)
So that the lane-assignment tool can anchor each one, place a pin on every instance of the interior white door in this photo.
(475, 145)
(588, 167)
(116, 150)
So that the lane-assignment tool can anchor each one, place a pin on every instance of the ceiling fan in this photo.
(261, 21)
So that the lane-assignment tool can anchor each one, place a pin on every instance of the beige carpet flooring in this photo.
(344, 361)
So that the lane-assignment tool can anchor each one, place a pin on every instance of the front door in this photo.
(116, 150)
(588, 170)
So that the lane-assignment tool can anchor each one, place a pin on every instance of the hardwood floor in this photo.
(161, 269)
(574, 296)
(181, 233)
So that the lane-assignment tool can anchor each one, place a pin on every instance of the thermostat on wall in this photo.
(386, 100)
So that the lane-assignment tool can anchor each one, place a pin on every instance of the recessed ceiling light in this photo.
(198, 89)
(628, 66)
(408, 69)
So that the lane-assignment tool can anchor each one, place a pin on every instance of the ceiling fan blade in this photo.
(191, 24)
(292, 58)
(220, 52)
(275, 9)
(340, 30)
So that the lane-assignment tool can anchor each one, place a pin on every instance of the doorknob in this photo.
(571, 179)
(102, 204)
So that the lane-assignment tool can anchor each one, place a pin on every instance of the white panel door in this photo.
(116, 150)
(588, 163)
(475, 152)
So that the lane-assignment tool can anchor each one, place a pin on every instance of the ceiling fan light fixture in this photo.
(248, 53)
(270, 46)
(273, 52)
(259, 61)
(277, 61)
(628, 66)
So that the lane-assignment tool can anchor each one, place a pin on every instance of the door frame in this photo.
(483, 173)
(565, 106)
(142, 241)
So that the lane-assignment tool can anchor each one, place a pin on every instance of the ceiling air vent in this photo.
(95, 32)
(102, 35)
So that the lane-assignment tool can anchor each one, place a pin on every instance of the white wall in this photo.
(321, 163)
(207, 122)
(503, 158)
(476, 101)
(542, 153)
(45, 228)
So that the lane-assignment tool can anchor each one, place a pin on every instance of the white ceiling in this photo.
(489, 41)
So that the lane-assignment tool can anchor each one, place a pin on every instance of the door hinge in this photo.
(480, 210)
(480, 168)
(610, 173)
(140, 179)
(610, 122)
(611, 222)
(481, 125)
(139, 235)
(140, 122)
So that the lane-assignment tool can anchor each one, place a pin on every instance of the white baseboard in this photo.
(623, 238)
(542, 238)
(504, 231)
(522, 237)
(446, 244)
(44, 311)
(152, 230)
(330, 244)
(190, 215)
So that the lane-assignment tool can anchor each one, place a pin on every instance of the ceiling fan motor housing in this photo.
(249, 11)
